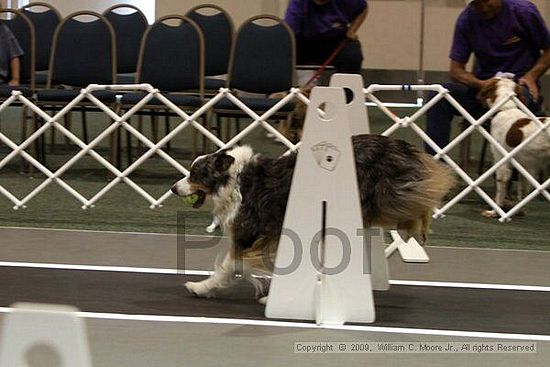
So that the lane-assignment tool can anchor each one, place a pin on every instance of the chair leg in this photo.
(237, 125)
(219, 126)
(167, 129)
(140, 129)
(40, 143)
(154, 127)
(84, 125)
(228, 128)
(129, 147)
(36, 145)
(52, 136)
(194, 144)
(205, 141)
(68, 125)
(115, 144)
(23, 137)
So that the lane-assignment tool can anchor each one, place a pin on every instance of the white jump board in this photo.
(324, 173)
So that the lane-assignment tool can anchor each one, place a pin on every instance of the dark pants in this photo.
(317, 51)
(440, 116)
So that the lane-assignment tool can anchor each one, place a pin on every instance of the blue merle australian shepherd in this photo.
(399, 186)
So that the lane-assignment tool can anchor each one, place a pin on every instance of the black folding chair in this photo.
(217, 28)
(262, 62)
(129, 24)
(83, 53)
(45, 19)
(172, 60)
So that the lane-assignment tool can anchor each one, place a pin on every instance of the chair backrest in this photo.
(129, 24)
(83, 51)
(172, 55)
(263, 58)
(217, 28)
(44, 22)
(23, 30)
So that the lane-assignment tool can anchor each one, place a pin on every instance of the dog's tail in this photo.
(415, 196)
(438, 180)
(425, 195)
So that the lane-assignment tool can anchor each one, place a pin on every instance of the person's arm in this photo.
(15, 70)
(531, 77)
(294, 16)
(458, 72)
(356, 23)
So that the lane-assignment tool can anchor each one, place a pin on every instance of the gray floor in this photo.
(164, 343)
(161, 251)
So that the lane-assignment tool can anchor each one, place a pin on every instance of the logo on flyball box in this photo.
(326, 155)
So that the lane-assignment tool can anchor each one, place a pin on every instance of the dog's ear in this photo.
(488, 92)
(223, 162)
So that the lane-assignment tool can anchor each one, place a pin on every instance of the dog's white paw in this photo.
(490, 214)
(262, 300)
(211, 228)
(199, 289)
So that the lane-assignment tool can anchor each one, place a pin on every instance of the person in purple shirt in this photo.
(321, 25)
(10, 52)
(508, 36)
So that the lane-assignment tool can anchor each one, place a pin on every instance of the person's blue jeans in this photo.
(440, 116)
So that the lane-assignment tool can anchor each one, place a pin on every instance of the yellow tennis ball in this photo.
(190, 199)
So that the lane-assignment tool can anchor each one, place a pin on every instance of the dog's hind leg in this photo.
(223, 277)
(413, 228)
(503, 176)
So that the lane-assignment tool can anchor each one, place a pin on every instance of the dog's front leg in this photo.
(223, 277)
(215, 224)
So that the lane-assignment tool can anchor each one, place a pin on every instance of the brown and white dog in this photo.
(399, 185)
(510, 126)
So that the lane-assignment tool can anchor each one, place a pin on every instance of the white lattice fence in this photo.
(258, 121)
(122, 121)
(472, 184)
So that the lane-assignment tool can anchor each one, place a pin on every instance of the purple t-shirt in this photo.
(510, 42)
(309, 20)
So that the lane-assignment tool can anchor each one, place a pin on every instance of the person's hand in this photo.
(351, 34)
(13, 82)
(531, 84)
(483, 83)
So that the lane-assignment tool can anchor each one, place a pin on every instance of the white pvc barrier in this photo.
(409, 122)
(56, 327)
(258, 121)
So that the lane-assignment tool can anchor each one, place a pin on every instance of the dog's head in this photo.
(499, 88)
(209, 173)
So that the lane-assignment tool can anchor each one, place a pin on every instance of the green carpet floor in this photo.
(122, 209)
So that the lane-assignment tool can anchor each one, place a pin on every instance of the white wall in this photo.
(67, 7)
